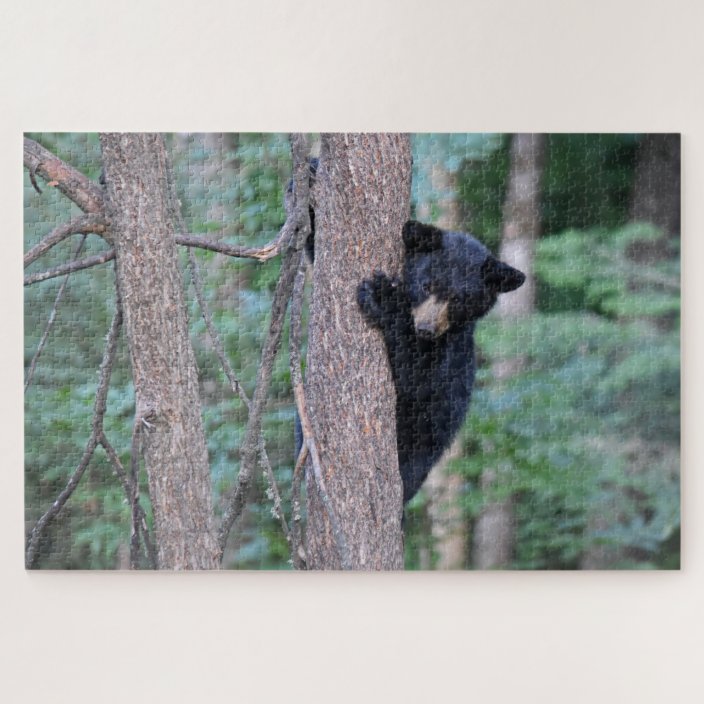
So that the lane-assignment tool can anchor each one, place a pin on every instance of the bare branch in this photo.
(83, 225)
(298, 224)
(50, 322)
(250, 445)
(262, 254)
(307, 428)
(277, 510)
(297, 553)
(139, 518)
(140, 422)
(33, 181)
(70, 267)
(213, 333)
(96, 430)
(86, 194)
(297, 384)
(62, 498)
(266, 252)
(237, 389)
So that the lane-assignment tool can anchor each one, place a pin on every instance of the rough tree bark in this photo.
(167, 417)
(362, 198)
(494, 531)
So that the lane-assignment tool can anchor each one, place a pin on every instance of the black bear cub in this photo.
(450, 280)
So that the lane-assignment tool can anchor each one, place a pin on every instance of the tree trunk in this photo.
(494, 532)
(656, 189)
(362, 198)
(167, 415)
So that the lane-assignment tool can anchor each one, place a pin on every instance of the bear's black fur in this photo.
(450, 280)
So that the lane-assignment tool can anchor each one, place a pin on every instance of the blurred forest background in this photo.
(571, 447)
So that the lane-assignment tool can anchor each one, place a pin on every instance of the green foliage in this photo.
(605, 272)
(588, 180)
(233, 186)
(230, 187)
(590, 424)
(94, 525)
(481, 190)
(477, 164)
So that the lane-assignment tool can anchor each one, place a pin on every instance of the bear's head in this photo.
(451, 278)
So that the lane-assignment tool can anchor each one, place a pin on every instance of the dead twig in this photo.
(213, 333)
(139, 518)
(33, 181)
(141, 421)
(250, 446)
(297, 228)
(70, 267)
(308, 434)
(297, 554)
(83, 225)
(96, 430)
(238, 390)
(262, 254)
(50, 322)
(178, 221)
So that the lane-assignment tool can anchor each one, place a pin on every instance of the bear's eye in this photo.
(425, 288)
(454, 298)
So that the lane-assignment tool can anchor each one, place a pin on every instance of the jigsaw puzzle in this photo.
(352, 351)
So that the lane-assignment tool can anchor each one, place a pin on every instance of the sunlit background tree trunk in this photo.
(494, 532)
(656, 190)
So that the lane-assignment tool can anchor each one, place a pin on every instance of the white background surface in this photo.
(544, 65)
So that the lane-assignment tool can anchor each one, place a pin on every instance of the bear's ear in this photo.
(421, 238)
(501, 277)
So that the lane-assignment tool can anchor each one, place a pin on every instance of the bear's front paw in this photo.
(377, 296)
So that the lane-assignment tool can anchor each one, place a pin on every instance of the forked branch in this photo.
(295, 230)
(50, 322)
(96, 431)
(237, 390)
(70, 267)
(139, 518)
(83, 225)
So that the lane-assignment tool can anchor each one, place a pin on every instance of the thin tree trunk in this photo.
(354, 508)
(168, 421)
(447, 524)
(656, 189)
(494, 531)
